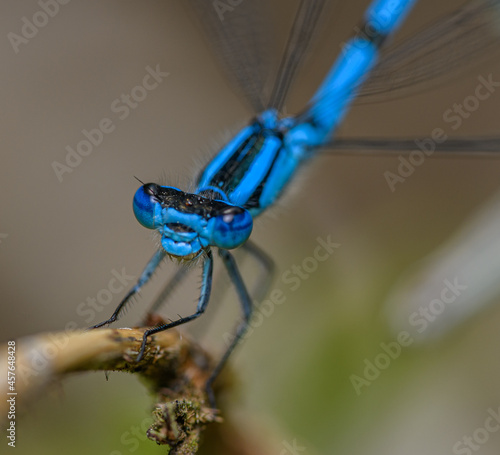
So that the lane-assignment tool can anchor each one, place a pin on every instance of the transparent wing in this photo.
(440, 52)
(478, 146)
(238, 36)
(299, 41)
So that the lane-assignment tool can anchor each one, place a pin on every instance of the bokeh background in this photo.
(61, 240)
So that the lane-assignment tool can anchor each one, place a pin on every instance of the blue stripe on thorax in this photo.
(241, 170)
(257, 171)
(226, 154)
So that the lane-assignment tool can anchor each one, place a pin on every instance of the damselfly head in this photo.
(189, 223)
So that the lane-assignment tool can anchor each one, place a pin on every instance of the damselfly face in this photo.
(188, 222)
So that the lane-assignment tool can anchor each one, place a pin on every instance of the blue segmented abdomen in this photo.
(385, 16)
(330, 102)
(252, 170)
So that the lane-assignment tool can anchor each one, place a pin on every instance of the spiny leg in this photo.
(167, 290)
(146, 274)
(260, 290)
(206, 287)
(266, 278)
(246, 304)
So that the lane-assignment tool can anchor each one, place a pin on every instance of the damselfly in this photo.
(253, 169)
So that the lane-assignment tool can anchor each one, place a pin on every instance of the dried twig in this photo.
(175, 368)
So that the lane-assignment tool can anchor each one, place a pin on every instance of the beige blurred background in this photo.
(61, 240)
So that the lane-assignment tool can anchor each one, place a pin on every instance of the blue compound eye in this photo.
(232, 227)
(146, 205)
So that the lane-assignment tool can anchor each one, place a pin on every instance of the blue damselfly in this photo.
(253, 169)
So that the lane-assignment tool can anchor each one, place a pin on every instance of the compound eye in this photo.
(151, 189)
(145, 205)
(229, 214)
(232, 227)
